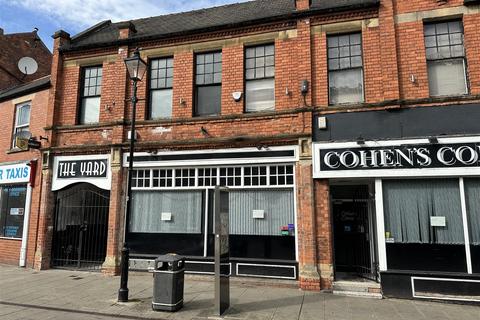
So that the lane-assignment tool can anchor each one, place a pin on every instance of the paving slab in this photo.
(63, 294)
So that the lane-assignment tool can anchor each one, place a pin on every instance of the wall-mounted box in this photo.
(166, 216)
(258, 214)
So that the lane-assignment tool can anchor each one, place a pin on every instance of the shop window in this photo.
(208, 84)
(445, 58)
(162, 178)
(260, 78)
(22, 120)
(472, 196)
(184, 177)
(277, 205)
(423, 225)
(231, 177)
(141, 179)
(90, 93)
(167, 212)
(345, 69)
(281, 175)
(255, 176)
(12, 205)
(207, 177)
(161, 84)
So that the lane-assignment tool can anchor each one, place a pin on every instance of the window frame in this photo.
(148, 109)
(463, 57)
(81, 93)
(195, 112)
(362, 67)
(245, 80)
(15, 125)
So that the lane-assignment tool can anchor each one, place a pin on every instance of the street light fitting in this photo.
(136, 67)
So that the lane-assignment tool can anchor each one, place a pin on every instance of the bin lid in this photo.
(171, 257)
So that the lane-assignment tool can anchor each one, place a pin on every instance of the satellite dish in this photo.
(27, 65)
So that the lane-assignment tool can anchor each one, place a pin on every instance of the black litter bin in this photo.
(168, 279)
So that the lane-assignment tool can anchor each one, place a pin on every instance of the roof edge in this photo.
(25, 88)
(292, 15)
(93, 28)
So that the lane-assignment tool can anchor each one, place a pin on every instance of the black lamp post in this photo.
(136, 68)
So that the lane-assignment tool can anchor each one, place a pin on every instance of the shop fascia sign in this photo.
(94, 169)
(14, 173)
(419, 157)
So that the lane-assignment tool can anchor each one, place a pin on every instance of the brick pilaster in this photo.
(324, 232)
(115, 216)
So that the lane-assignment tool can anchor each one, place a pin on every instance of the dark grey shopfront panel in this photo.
(399, 123)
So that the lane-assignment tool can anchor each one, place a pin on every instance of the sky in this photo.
(74, 16)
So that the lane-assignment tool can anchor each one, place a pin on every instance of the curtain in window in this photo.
(260, 95)
(278, 206)
(90, 111)
(185, 206)
(346, 86)
(447, 77)
(23, 116)
(409, 204)
(161, 104)
(472, 194)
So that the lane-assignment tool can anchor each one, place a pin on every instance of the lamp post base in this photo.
(123, 295)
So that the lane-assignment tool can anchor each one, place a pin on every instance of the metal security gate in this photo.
(353, 236)
(81, 225)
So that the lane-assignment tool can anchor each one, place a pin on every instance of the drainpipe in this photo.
(26, 217)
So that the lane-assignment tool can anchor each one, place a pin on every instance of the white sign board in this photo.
(438, 221)
(94, 169)
(14, 173)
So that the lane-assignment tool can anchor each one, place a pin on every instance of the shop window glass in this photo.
(12, 206)
(207, 177)
(162, 178)
(278, 206)
(472, 196)
(150, 207)
(141, 179)
(231, 176)
(412, 242)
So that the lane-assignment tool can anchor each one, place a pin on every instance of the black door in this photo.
(352, 238)
(81, 226)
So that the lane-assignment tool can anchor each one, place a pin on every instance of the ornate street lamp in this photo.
(136, 68)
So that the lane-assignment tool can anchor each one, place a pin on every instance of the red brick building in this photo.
(232, 96)
(23, 110)
(15, 46)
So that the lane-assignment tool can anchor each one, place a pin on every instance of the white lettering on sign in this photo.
(435, 156)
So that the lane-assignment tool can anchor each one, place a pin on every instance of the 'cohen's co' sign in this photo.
(71, 169)
(401, 157)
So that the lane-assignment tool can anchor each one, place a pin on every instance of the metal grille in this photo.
(81, 226)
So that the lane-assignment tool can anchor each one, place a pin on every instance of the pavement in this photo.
(62, 294)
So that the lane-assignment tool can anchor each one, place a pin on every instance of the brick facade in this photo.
(10, 248)
(393, 50)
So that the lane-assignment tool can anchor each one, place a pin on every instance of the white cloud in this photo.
(85, 13)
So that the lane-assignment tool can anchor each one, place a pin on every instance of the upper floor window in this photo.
(208, 83)
(22, 120)
(260, 78)
(161, 84)
(345, 69)
(90, 95)
(445, 58)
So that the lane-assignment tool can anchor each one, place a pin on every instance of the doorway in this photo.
(353, 232)
(81, 227)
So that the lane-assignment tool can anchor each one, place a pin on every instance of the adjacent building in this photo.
(233, 96)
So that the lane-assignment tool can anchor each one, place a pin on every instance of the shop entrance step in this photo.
(367, 289)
